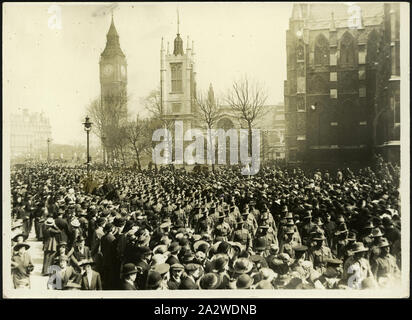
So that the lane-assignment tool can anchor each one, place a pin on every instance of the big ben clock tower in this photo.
(113, 88)
(113, 74)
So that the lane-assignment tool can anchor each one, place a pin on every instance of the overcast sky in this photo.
(57, 70)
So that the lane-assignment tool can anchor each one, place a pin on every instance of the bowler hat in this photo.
(129, 268)
(153, 279)
(210, 281)
(244, 281)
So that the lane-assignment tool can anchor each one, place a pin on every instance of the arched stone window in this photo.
(321, 50)
(347, 49)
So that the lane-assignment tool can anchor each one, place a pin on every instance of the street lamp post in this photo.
(87, 127)
(48, 149)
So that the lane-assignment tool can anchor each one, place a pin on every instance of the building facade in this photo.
(342, 74)
(29, 134)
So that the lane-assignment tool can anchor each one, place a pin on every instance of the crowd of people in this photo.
(172, 229)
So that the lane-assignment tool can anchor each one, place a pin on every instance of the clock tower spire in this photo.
(113, 82)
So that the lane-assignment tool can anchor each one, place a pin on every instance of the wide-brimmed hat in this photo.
(341, 229)
(21, 244)
(86, 262)
(210, 281)
(319, 236)
(129, 268)
(49, 222)
(368, 225)
(300, 248)
(244, 281)
(358, 247)
(383, 243)
(377, 233)
(75, 223)
(351, 236)
(290, 230)
(289, 215)
(242, 265)
(333, 261)
(197, 244)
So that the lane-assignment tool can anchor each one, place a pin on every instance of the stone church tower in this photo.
(178, 82)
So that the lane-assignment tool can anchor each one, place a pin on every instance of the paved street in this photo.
(38, 282)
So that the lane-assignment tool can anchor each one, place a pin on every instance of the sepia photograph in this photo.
(206, 150)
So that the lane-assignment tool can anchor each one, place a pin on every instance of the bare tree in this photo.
(138, 136)
(247, 100)
(109, 117)
(158, 112)
(208, 113)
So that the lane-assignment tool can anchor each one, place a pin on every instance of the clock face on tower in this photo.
(123, 71)
(108, 70)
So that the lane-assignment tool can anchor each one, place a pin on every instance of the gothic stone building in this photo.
(342, 88)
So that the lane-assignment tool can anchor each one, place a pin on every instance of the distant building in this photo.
(29, 133)
(271, 125)
(342, 88)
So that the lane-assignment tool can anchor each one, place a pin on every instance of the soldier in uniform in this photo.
(307, 227)
(357, 268)
(288, 242)
(367, 239)
(384, 266)
(319, 252)
(341, 242)
(222, 228)
(250, 220)
(242, 234)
